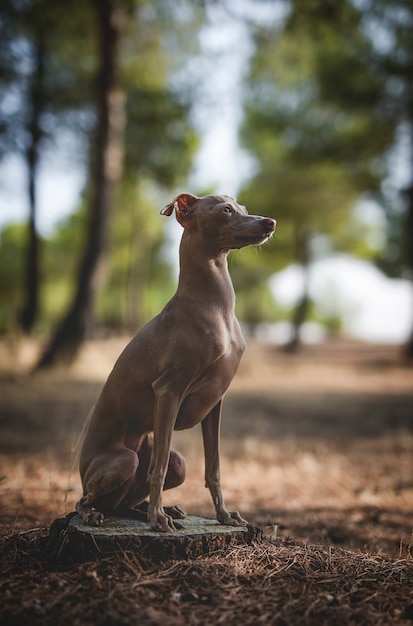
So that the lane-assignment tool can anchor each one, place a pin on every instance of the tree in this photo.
(32, 70)
(16, 21)
(314, 156)
(128, 93)
(11, 254)
(376, 75)
(105, 172)
(392, 63)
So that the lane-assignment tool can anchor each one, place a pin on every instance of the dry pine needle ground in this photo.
(273, 582)
(320, 444)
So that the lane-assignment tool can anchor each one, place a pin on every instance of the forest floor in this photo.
(317, 448)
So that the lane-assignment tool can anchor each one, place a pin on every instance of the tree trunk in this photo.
(300, 312)
(31, 279)
(408, 350)
(106, 167)
(70, 541)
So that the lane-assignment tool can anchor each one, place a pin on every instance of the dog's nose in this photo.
(270, 224)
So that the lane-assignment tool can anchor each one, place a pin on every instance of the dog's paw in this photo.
(94, 518)
(163, 523)
(231, 518)
(175, 512)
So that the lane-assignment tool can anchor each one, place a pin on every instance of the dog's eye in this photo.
(227, 209)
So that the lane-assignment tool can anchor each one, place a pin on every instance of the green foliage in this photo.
(11, 268)
(255, 304)
(60, 258)
(250, 274)
(159, 142)
(50, 95)
(326, 93)
(364, 68)
(315, 124)
(139, 280)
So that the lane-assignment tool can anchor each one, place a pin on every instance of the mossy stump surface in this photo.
(71, 541)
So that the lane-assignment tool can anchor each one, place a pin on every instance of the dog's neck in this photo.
(204, 276)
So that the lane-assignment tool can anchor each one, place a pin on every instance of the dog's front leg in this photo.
(210, 434)
(166, 410)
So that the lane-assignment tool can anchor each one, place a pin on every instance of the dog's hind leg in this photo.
(106, 483)
(139, 489)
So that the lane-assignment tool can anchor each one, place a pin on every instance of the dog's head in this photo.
(221, 220)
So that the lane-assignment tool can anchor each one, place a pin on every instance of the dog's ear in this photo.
(182, 204)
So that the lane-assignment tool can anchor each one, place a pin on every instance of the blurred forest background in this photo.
(303, 109)
(121, 90)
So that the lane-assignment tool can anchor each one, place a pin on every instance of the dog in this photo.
(172, 375)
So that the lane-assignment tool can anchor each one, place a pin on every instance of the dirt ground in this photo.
(317, 448)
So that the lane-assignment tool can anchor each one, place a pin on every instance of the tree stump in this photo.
(71, 541)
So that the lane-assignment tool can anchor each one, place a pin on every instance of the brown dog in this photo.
(172, 375)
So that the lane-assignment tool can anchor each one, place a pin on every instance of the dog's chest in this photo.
(207, 389)
(221, 339)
